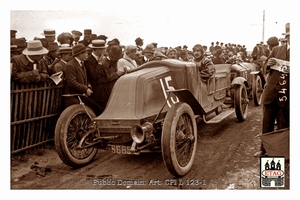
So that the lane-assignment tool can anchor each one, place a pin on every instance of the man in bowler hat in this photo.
(76, 78)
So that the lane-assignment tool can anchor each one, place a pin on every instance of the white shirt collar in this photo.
(95, 56)
(79, 61)
(30, 60)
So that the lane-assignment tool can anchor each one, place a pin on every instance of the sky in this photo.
(168, 23)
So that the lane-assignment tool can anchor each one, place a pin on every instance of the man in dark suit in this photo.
(92, 67)
(76, 78)
(276, 93)
(108, 74)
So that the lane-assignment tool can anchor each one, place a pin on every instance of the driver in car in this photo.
(204, 64)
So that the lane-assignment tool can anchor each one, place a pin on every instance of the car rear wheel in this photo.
(241, 102)
(179, 139)
(71, 126)
(257, 90)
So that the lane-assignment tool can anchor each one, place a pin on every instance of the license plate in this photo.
(120, 149)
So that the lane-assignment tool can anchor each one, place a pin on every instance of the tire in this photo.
(241, 102)
(69, 129)
(179, 139)
(257, 90)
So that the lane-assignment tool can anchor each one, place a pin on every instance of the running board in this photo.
(219, 117)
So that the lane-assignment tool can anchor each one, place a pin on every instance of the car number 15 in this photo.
(165, 83)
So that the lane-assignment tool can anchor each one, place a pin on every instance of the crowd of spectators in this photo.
(35, 60)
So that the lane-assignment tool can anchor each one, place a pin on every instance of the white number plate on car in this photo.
(120, 149)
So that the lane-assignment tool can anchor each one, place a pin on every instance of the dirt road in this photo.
(224, 160)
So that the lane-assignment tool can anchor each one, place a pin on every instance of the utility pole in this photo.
(263, 30)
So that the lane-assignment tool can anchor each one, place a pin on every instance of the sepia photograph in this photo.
(151, 96)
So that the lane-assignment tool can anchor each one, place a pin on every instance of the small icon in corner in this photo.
(272, 172)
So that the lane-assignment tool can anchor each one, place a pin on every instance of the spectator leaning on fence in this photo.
(28, 67)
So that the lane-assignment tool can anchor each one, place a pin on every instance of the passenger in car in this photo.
(204, 64)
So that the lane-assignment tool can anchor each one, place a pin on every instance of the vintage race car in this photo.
(155, 108)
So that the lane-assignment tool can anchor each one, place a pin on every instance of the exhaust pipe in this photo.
(139, 133)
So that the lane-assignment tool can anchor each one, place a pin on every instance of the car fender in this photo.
(239, 81)
(186, 96)
(258, 73)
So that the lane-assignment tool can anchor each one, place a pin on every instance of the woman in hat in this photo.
(28, 67)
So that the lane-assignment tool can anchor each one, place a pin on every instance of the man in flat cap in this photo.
(86, 37)
(76, 36)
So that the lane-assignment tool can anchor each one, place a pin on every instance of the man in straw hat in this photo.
(28, 67)
(49, 35)
(276, 98)
(92, 67)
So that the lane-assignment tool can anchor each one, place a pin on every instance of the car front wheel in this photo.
(179, 139)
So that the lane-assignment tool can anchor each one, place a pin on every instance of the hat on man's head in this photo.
(76, 32)
(35, 47)
(44, 41)
(115, 51)
(64, 50)
(114, 41)
(20, 42)
(13, 33)
(287, 29)
(14, 48)
(97, 44)
(273, 41)
(138, 40)
(282, 39)
(87, 31)
(149, 49)
(102, 37)
(78, 49)
(49, 32)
